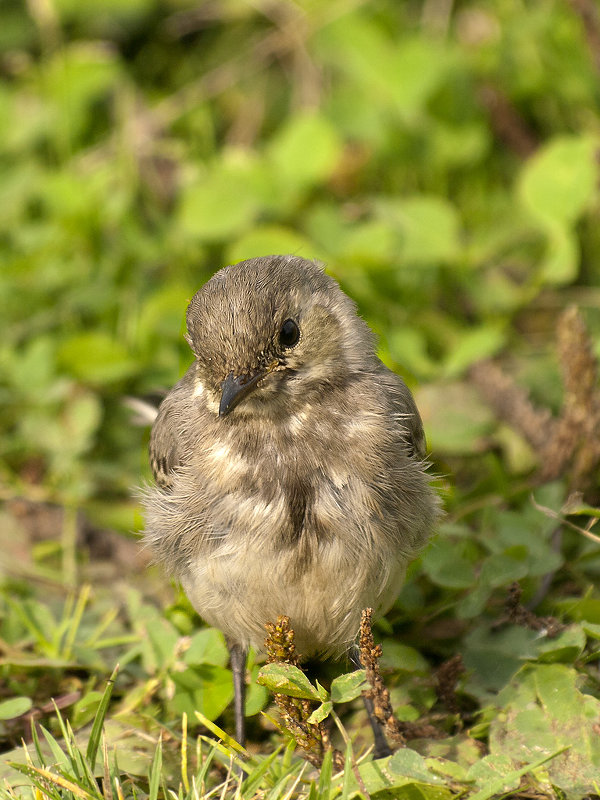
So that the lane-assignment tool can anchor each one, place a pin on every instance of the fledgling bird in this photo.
(289, 464)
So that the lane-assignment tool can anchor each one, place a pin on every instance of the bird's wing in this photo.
(405, 411)
(166, 450)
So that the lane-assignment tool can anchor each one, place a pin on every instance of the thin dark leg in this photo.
(237, 655)
(382, 748)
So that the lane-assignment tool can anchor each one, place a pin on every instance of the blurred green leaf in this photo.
(15, 707)
(474, 345)
(207, 647)
(400, 656)
(428, 227)
(268, 240)
(561, 262)
(304, 151)
(494, 656)
(96, 358)
(566, 647)
(456, 571)
(559, 182)
(223, 201)
(455, 417)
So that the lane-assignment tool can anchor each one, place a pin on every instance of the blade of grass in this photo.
(107, 785)
(221, 734)
(42, 789)
(251, 784)
(75, 621)
(155, 771)
(348, 769)
(49, 777)
(96, 733)
(36, 743)
(68, 740)
(198, 780)
(106, 620)
(60, 757)
(220, 747)
(184, 761)
(282, 784)
(324, 787)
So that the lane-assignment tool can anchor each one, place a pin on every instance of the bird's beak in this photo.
(234, 389)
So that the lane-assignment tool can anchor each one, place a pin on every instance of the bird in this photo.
(290, 468)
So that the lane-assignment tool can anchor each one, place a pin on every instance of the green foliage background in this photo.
(442, 159)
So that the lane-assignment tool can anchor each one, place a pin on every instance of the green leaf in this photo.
(267, 240)
(222, 202)
(592, 630)
(304, 151)
(495, 776)
(428, 226)
(74, 78)
(408, 347)
(566, 647)
(398, 74)
(474, 345)
(558, 183)
(257, 696)
(400, 656)
(287, 679)
(456, 418)
(544, 712)
(447, 563)
(207, 647)
(100, 716)
(501, 569)
(96, 358)
(206, 688)
(155, 772)
(373, 243)
(9, 709)
(411, 764)
(560, 264)
(347, 687)
(321, 713)
(494, 656)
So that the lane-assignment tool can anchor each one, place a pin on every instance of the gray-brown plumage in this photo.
(289, 461)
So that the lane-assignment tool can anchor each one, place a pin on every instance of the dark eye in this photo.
(289, 334)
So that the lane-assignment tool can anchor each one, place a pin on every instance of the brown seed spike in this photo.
(312, 738)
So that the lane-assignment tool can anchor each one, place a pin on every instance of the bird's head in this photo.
(270, 332)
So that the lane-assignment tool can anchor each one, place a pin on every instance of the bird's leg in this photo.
(237, 657)
(382, 748)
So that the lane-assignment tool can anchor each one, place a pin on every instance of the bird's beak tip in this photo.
(235, 388)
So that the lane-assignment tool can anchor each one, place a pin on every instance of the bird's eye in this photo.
(289, 334)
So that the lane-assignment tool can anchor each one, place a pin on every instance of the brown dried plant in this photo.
(370, 653)
(312, 738)
(567, 445)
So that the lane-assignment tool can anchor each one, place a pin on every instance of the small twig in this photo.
(517, 614)
(508, 125)
(446, 679)
(588, 12)
(550, 512)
